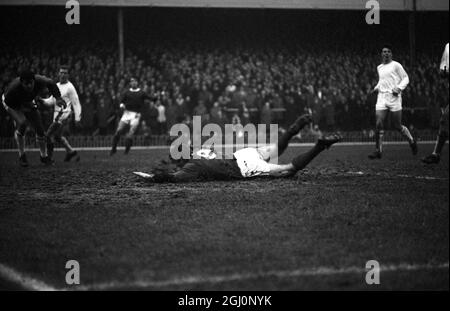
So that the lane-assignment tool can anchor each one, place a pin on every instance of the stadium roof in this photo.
(395, 5)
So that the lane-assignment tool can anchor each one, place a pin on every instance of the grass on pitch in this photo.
(341, 212)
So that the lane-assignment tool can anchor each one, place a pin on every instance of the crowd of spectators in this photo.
(231, 83)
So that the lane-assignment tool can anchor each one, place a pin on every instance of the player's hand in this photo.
(78, 124)
(122, 106)
(38, 101)
(61, 103)
(396, 91)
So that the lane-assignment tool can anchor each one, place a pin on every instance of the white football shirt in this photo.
(391, 75)
(70, 96)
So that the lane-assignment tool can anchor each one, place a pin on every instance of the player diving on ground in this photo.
(247, 162)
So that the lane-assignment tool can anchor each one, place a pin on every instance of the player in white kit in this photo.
(61, 116)
(393, 80)
(442, 138)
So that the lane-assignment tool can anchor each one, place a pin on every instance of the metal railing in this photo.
(163, 140)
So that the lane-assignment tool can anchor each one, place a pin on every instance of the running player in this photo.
(20, 101)
(442, 138)
(61, 116)
(247, 162)
(132, 103)
(393, 80)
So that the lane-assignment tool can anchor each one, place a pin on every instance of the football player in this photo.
(20, 101)
(442, 138)
(132, 104)
(247, 162)
(393, 80)
(61, 116)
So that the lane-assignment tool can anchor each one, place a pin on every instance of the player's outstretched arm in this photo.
(75, 100)
(404, 80)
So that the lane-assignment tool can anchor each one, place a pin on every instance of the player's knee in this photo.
(41, 138)
(443, 133)
(21, 127)
(20, 133)
(398, 127)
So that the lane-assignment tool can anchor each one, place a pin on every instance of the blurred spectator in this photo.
(161, 119)
(191, 74)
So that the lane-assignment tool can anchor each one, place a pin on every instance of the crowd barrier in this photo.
(164, 140)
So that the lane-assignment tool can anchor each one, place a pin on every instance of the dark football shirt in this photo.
(17, 98)
(134, 100)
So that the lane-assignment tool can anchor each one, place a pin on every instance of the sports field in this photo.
(314, 231)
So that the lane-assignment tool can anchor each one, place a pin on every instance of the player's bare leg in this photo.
(442, 138)
(129, 137)
(18, 136)
(120, 130)
(397, 122)
(54, 136)
(379, 133)
(34, 117)
(70, 152)
(301, 161)
(42, 143)
(274, 151)
(52, 130)
(20, 124)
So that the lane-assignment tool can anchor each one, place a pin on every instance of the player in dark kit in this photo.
(442, 138)
(132, 103)
(247, 162)
(21, 102)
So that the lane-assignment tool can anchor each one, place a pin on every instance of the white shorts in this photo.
(387, 101)
(130, 117)
(251, 163)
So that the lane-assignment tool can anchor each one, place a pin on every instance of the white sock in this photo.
(405, 132)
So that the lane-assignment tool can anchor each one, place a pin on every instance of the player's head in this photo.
(27, 77)
(386, 53)
(133, 83)
(63, 74)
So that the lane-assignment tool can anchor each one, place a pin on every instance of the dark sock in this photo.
(379, 140)
(128, 143)
(50, 147)
(442, 138)
(115, 141)
(301, 161)
(283, 142)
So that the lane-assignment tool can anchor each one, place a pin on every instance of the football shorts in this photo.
(130, 117)
(387, 101)
(251, 163)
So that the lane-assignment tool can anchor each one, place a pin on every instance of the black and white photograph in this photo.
(224, 150)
